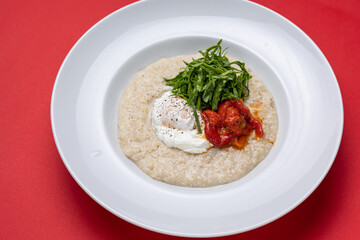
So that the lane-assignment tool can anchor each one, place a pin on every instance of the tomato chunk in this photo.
(232, 120)
(212, 127)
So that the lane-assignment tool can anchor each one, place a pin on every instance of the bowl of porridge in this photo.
(167, 153)
(164, 139)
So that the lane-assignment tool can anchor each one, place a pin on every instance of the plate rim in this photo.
(66, 163)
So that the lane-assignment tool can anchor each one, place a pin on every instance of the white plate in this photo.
(93, 76)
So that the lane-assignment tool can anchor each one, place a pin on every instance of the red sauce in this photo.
(240, 142)
(231, 124)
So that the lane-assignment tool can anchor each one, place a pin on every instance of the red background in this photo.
(40, 200)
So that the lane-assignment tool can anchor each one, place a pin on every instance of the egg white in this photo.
(174, 124)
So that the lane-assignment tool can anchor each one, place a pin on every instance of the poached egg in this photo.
(174, 124)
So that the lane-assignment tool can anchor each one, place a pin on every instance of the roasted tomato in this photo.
(231, 121)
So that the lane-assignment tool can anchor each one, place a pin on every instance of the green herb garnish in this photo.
(209, 80)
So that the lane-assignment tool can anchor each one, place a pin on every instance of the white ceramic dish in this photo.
(90, 82)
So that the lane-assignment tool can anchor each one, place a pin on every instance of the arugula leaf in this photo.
(209, 80)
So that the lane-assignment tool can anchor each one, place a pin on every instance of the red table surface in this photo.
(39, 198)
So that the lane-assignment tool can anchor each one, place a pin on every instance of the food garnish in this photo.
(232, 120)
(209, 80)
(217, 87)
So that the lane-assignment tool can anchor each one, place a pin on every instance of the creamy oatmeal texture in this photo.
(218, 165)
